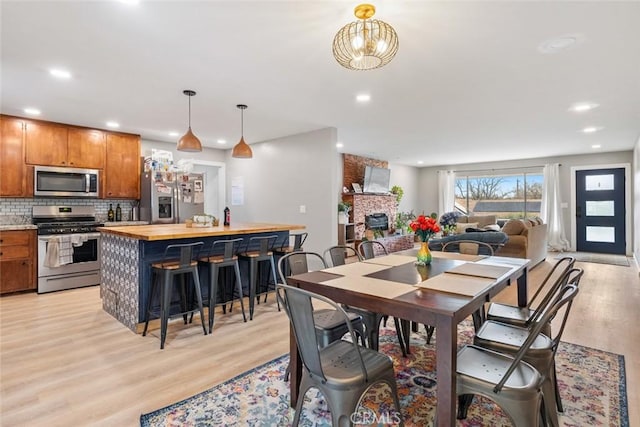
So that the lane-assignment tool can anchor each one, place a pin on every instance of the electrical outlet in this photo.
(303, 209)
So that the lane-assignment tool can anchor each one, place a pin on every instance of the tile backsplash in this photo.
(18, 210)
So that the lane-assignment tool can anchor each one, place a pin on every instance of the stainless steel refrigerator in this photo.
(171, 197)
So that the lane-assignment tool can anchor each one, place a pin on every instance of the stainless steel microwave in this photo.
(65, 182)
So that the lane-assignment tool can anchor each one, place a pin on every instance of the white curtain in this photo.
(446, 191)
(551, 210)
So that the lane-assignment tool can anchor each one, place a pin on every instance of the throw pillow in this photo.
(491, 227)
(513, 227)
(483, 220)
(461, 227)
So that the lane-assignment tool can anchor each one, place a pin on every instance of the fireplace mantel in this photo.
(364, 204)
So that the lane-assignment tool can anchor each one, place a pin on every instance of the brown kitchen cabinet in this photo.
(46, 144)
(18, 261)
(122, 167)
(86, 148)
(52, 144)
(16, 179)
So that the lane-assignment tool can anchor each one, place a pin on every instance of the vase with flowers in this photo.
(425, 228)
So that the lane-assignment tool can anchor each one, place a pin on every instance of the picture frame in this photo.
(356, 187)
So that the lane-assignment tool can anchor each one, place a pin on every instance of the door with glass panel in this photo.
(600, 211)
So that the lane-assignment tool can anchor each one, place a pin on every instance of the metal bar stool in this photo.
(254, 257)
(178, 260)
(216, 261)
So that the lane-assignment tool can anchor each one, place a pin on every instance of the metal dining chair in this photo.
(343, 371)
(371, 248)
(329, 326)
(508, 379)
(338, 255)
(541, 354)
(368, 249)
(525, 317)
(468, 247)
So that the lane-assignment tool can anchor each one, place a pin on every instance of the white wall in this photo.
(284, 174)
(428, 196)
(407, 178)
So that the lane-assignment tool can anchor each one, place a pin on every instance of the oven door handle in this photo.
(90, 236)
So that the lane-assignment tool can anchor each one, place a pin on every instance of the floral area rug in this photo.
(592, 382)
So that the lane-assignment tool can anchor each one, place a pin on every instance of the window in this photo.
(517, 195)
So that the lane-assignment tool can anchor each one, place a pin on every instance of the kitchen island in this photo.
(127, 253)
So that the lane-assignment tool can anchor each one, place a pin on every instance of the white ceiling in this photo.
(468, 83)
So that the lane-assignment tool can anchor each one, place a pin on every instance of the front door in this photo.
(600, 210)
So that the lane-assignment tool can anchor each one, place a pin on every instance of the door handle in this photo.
(579, 211)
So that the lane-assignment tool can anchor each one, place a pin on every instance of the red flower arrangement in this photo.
(425, 227)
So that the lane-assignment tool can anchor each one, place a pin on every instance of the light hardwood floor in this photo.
(65, 362)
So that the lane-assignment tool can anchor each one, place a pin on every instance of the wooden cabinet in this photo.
(46, 144)
(58, 145)
(18, 260)
(16, 179)
(122, 169)
(86, 148)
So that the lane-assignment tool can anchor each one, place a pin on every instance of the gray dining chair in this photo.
(515, 385)
(343, 371)
(468, 247)
(524, 316)
(371, 248)
(329, 325)
(505, 337)
(337, 255)
(367, 250)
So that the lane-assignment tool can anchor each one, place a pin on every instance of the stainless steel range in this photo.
(68, 247)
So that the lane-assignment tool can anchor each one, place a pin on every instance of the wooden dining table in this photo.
(441, 294)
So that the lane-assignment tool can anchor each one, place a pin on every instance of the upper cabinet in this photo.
(57, 145)
(86, 148)
(27, 142)
(122, 171)
(16, 179)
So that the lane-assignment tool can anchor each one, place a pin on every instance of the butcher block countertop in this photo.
(181, 231)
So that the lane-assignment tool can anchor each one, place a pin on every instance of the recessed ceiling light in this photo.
(32, 111)
(596, 146)
(174, 134)
(221, 141)
(580, 107)
(113, 124)
(562, 43)
(339, 144)
(420, 162)
(59, 73)
(363, 97)
(592, 129)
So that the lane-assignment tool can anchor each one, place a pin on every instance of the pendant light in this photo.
(242, 149)
(189, 142)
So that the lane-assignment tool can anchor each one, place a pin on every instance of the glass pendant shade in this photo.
(242, 150)
(365, 44)
(189, 142)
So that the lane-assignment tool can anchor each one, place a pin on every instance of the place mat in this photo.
(456, 255)
(355, 269)
(480, 270)
(370, 286)
(457, 284)
(391, 260)
(501, 260)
